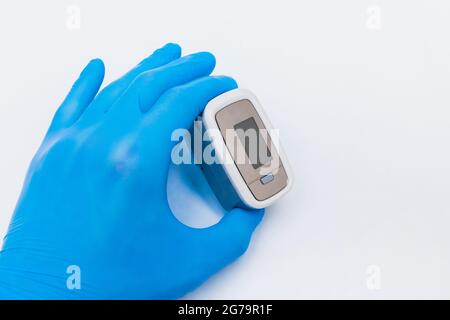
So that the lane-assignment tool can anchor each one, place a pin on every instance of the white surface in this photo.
(363, 109)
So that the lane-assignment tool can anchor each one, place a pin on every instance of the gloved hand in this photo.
(93, 220)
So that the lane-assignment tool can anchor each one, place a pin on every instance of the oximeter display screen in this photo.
(254, 144)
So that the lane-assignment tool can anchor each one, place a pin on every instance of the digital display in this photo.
(252, 148)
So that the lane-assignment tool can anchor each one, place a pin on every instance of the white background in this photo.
(360, 90)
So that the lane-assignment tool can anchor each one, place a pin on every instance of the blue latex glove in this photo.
(94, 213)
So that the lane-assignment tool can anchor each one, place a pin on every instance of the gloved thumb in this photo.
(231, 236)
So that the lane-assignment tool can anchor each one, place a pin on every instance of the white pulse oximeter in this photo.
(241, 177)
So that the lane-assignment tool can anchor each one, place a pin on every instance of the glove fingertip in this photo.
(175, 47)
(95, 64)
(227, 82)
(207, 58)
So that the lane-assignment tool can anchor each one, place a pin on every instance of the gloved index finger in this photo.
(177, 109)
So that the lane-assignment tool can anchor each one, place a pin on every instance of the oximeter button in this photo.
(267, 178)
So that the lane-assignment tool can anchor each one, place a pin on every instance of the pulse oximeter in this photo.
(238, 177)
